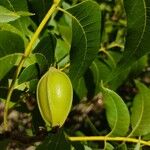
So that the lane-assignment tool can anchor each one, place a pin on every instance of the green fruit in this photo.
(54, 97)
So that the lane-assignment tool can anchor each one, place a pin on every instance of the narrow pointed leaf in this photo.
(86, 22)
(117, 113)
(140, 118)
(24, 13)
(138, 34)
(7, 15)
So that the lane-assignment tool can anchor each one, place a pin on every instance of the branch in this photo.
(106, 138)
(27, 52)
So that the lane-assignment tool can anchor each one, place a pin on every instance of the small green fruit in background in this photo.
(54, 97)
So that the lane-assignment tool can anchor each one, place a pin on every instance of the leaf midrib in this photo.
(116, 120)
(140, 118)
(84, 34)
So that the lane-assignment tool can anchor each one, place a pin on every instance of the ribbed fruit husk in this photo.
(54, 97)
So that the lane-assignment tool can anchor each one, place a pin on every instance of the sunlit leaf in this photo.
(140, 119)
(62, 53)
(7, 15)
(122, 146)
(108, 146)
(116, 111)
(24, 24)
(10, 28)
(24, 13)
(138, 147)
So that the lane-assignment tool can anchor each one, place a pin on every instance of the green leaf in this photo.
(40, 7)
(114, 84)
(7, 15)
(138, 34)
(138, 147)
(65, 31)
(80, 88)
(39, 59)
(77, 146)
(7, 63)
(10, 43)
(11, 104)
(47, 46)
(55, 142)
(10, 28)
(140, 120)
(122, 146)
(16, 5)
(108, 146)
(116, 111)
(86, 23)
(138, 66)
(29, 73)
(14, 98)
(24, 24)
(33, 85)
(62, 53)
(100, 70)
(24, 13)
(87, 147)
(63, 25)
